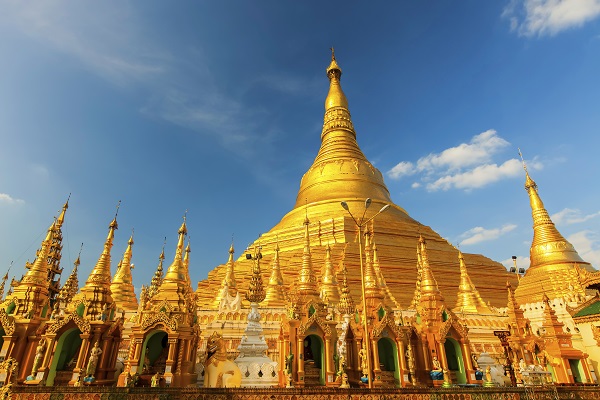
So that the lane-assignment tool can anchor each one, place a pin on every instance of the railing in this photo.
(113, 393)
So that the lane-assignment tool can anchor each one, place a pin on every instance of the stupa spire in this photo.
(175, 272)
(372, 288)
(228, 284)
(429, 285)
(3, 284)
(275, 289)
(381, 279)
(548, 245)
(122, 288)
(71, 286)
(346, 305)
(157, 278)
(340, 171)
(307, 280)
(186, 261)
(329, 285)
(469, 300)
(97, 286)
(229, 279)
(32, 289)
(256, 290)
(175, 287)
(417, 296)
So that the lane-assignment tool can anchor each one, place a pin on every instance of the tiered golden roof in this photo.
(307, 280)
(469, 300)
(553, 260)
(122, 288)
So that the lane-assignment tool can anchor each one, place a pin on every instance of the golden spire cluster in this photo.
(71, 286)
(157, 278)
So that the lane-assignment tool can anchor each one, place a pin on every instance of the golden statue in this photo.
(93, 361)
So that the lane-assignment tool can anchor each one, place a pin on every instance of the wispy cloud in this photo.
(480, 234)
(549, 17)
(570, 216)
(8, 199)
(587, 244)
(466, 166)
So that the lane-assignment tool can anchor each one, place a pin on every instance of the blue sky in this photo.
(216, 108)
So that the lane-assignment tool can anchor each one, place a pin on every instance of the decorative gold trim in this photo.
(8, 323)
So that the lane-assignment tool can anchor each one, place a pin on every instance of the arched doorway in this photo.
(388, 362)
(455, 360)
(314, 360)
(154, 358)
(64, 358)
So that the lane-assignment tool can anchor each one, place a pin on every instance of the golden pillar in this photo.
(376, 363)
(402, 367)
(300, 352)
(329, 369)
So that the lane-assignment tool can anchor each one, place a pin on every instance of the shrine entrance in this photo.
(454, 357)
(64, 358)
(388, 362)
(314, 360)
(156, 351)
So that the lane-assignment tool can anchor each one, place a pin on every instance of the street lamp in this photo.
(360, 224)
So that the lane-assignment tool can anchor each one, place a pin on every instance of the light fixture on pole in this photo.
(360, 224)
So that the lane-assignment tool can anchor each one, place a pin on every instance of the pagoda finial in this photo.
(229, 279)
(275, 294)
(346, 305)
(157, 278)
(71, 286)
(417, 295)
(176, 271)
(4, 279)
(329, 283)
(122, 289)
(428, 282)
(468, 299)
(307, 280)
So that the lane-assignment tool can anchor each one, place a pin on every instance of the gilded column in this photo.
(329, 370)
(402, 367)
(468, 362)
(376, 370)
(300, 344)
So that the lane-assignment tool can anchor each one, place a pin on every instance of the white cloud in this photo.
(478, 151)
(587, 244)
(466, 166)
(570, 216)
(478, 177)
(8, 199)
(479, 234)
(401, 169)
(549, 17)
(522, 262)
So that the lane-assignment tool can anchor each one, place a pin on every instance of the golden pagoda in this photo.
(554, 269)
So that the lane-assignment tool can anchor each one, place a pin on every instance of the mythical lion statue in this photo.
(218, 370)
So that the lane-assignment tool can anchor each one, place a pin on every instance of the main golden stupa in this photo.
(347, 290)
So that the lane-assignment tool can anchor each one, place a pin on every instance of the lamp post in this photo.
(360, 224)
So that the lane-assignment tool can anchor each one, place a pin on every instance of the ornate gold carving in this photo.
(314, 319)
(8, 323)
(151, 319)
(387, 322)
(82, 324)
